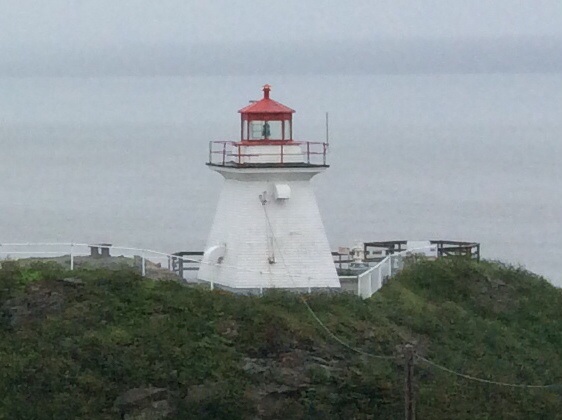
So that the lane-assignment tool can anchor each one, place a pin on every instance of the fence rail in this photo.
(445, 248)
(370, 281)
(150, 262)
(73, 254)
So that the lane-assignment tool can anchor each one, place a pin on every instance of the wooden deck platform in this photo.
(374, 251)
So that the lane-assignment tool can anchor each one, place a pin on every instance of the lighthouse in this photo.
(267, 231)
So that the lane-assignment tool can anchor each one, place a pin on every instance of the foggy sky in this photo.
(174, 37)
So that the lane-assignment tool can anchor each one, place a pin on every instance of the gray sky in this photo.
(116, 36)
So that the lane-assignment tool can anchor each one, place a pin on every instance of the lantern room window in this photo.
(288, 128)
(266, 130)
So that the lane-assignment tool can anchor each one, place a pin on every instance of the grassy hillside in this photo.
(95, 344)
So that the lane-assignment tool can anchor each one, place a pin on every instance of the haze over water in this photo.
(122, 160)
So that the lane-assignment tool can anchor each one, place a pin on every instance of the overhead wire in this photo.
(325, 327)
(309, 308)
(364, 353)
(483, 380)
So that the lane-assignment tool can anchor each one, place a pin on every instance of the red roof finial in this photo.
(265, 106)
(266, 90)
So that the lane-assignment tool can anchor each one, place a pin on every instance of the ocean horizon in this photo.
(415, 157)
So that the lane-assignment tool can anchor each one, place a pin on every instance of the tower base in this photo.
(268, 233)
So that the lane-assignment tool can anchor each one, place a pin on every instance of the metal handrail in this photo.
(227, 149)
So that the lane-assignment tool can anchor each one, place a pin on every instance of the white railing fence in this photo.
(154, 263)
(72, 255)
(370, 281)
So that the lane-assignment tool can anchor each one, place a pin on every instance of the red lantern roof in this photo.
(266, 105)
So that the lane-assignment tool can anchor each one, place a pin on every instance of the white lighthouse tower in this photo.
(267, 231)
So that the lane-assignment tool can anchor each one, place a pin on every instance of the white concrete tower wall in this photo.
(245, 251)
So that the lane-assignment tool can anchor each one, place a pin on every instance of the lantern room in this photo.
(266, 139)
(266, 121)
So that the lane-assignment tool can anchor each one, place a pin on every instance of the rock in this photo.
(137, 396)
(39, 302)
(278, 389)
(291, 377)
(72, 281)
(253, 366)
(319, 360)
(144, 404)
(274, 401)
(500, 283)
(207, 391)
(155, 411)
(495, 282)
(228, 328)
(292, 359)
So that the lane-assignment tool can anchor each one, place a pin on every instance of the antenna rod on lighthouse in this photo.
(327, 130)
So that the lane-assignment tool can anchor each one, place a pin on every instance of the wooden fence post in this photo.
(409, 398)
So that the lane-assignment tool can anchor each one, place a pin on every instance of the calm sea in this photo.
(122, 160)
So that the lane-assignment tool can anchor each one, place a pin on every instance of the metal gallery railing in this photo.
(231, 153)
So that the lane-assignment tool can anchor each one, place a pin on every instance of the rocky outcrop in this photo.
(281, 380)
(144, 404)
(41, 300)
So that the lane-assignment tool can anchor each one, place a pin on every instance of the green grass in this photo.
(79, 346)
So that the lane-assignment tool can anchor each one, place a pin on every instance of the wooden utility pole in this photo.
(409, 400)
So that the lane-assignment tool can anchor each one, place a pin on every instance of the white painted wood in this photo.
(271, 154)
(291, 251)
